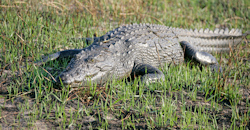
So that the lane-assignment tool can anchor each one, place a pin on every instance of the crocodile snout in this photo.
(64, 78)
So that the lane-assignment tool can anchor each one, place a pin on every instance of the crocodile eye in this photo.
(90, 60)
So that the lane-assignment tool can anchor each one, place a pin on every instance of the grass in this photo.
(188, 99)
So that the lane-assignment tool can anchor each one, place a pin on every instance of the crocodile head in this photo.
(83, 69)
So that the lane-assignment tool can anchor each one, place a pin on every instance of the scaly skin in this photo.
(140, 50)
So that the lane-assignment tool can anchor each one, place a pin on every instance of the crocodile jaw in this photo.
(84, 75)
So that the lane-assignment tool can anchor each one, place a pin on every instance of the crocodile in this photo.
(140, 49)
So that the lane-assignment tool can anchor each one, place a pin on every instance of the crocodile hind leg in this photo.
(57, 55)
(148, 73)
(201, 57)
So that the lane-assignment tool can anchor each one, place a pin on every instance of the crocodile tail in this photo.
(219, 40)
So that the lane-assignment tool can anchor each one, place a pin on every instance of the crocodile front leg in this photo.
(201, 57)
(148, 73)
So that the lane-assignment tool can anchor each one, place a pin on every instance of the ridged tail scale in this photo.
(219, 40)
